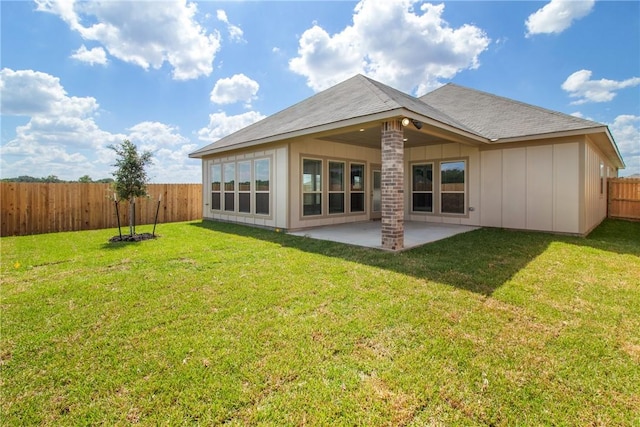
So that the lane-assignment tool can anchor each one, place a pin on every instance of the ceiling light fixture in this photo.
(405, 122)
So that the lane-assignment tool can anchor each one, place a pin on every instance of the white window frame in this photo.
(217, 166)
(224, 188)
(238, 185)
(256, 189)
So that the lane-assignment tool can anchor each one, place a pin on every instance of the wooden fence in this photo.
(35, 208)
(624, 198)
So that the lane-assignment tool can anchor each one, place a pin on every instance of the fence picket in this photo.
(624, 198)
(34, 208)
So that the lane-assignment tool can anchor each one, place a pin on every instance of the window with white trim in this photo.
(229, 186)
(311, 187)
(422, 187)
(262, 177)
(336, 187)
(244, 186)
(216, 187)
(452, 187)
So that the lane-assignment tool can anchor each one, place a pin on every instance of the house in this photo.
(362, 150)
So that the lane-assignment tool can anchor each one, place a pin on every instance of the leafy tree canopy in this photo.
(130, 176)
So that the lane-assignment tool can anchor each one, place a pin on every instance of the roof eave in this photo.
(385, 115)
(616, 159)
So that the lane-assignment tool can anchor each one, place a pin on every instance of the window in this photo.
(244, 187)
(422, 187)
(601, 178)
(229, 186)
(261, 176)
(311, 187)
(452, 187)
(357, 187)
(336, 187)
(216, 186)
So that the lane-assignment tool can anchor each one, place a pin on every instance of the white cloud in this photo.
(235, 33)
(61, 137)
(579, 85)
(28, 93)
(238, 88)
(97, 55)
(391, 42)
(221, 125)
(557, 15)
(626, 132)
(143, 33)
(171, 162)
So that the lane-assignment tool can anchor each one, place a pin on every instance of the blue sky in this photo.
(173, 76)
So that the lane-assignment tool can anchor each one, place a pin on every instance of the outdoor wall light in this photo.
(417, 124)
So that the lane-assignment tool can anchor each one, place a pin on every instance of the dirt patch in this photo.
(134, 238)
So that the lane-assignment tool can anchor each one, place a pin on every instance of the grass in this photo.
(223, 324)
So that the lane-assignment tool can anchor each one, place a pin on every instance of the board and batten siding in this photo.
(595, 200)
(278, 188)
(534, 188)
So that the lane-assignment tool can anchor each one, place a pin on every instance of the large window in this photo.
(244, 187)
(357, 187)
(452, 187)
(311, 187)
(336, 187)
(229, 186)
(216, 186)
(262, 186)
(422, 187)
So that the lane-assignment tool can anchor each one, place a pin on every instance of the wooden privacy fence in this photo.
(35, 208)
(624, 198)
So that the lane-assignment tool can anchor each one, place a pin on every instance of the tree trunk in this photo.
(132, 212)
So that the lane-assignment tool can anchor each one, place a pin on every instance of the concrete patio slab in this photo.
(369, 233)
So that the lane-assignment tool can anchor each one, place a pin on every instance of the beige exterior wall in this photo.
(595, 196)
(277, 217)
(535, 187)
(545, 186)
(326, 151)
(437, 154)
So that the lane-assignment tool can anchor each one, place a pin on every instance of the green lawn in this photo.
(223, 324)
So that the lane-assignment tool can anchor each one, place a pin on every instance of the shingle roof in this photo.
(356, 97)
(479, 113)
(495, 117)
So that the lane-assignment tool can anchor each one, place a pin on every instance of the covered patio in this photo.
(368, 233)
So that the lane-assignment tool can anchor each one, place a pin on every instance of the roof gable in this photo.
(356, 97)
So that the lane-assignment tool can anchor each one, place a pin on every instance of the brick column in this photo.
(392, 185)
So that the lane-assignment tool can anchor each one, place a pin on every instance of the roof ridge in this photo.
(373, 84)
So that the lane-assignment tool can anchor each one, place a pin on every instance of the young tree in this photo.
(130, 177)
